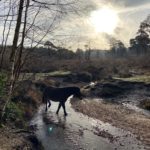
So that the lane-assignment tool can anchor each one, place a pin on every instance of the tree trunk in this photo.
(13, 56)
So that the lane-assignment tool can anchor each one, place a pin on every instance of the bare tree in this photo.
(6, 33)
(31, 28)
(13, 55)
(87, 52)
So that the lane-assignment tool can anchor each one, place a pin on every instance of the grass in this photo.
(59, 73)
(38, 76)
(139, 78)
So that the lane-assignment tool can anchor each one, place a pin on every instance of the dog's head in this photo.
(78, 94)
(40, 86)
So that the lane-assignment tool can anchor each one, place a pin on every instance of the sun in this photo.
(104, 20)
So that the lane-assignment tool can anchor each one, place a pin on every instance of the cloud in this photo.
(134, 9)
(75, 31)
(130, 3)
(131, 14)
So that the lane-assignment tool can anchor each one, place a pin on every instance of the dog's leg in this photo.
(49, 103)
(46, 106)
(58, 108)
(63, 105)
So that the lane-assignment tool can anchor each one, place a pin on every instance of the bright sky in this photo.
(114, 18)
(98, 21)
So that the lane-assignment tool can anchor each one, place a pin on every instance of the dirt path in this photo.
(118, 116)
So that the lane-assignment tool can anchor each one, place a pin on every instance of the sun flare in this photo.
(104, 20)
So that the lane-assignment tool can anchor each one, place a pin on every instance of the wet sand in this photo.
(117, 115)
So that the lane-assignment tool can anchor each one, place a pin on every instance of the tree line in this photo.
(138, 46)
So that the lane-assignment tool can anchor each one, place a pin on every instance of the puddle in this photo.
(79, 132)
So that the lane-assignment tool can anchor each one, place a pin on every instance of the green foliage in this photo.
(3, 79)
(13, 112)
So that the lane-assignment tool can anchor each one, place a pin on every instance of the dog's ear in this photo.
(40, 86)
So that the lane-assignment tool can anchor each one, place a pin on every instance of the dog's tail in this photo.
(43, 99)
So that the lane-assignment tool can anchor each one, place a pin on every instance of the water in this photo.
(79, 132)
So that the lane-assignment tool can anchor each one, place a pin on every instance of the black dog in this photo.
(60, 95)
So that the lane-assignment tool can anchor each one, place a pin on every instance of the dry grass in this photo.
(39, 65)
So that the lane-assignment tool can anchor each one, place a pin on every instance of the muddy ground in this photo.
(103, 101)
(118, 116)
(118, 103)
(12, 138)
(15, 132)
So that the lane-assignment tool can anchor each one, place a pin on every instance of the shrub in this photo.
(145, 104)
(84, 76)
(13, 112)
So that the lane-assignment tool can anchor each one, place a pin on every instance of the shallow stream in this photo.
(79, 132)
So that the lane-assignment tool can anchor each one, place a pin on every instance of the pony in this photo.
(60, 95)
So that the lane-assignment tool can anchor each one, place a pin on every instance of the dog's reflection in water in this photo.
(54, 122)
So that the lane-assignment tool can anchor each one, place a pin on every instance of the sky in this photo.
(130, 14)
(96, 22)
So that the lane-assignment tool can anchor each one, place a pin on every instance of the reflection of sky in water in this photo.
(76, 131)
(50, 129)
